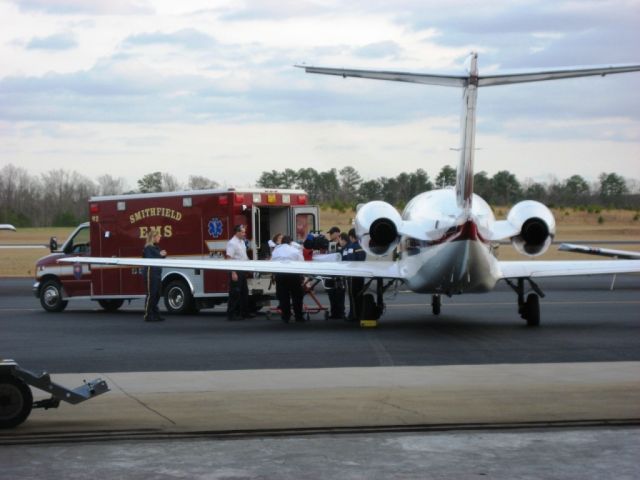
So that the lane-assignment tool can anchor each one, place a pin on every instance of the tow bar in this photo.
(16, 400)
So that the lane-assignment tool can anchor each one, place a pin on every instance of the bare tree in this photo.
(197, 182)
(170, 183)
(108, 185)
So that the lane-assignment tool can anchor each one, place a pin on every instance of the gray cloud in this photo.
(273, 9)
(188, 38)
(58, 41)
(378, 50)
(66, 7)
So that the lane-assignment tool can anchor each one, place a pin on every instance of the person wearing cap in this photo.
(335, 286)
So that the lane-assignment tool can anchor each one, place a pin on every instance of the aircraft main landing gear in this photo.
(528, 309)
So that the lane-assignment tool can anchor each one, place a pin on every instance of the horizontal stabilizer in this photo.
(444, 80)
(482, 80)
(542, 75)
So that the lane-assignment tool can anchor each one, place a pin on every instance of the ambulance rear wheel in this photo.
(16, 401)
(111, 305)
(51, 296)
(178, 298)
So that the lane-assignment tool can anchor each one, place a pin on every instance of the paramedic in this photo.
(289, 285)
(238, 303)
(335, 286)
(152, 277)
(353, 252)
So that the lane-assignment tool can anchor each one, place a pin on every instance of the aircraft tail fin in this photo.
(470, 84)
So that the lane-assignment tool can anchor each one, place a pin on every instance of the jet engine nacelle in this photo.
(536, 225)
(377, 227)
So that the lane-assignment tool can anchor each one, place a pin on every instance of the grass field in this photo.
(607, 225)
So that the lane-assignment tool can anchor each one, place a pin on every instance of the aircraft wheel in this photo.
(16, 401)
(369, 308)
(111, 305)
(51, 296)
(436, 304)
(532, 310)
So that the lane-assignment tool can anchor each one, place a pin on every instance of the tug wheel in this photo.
(16, 401)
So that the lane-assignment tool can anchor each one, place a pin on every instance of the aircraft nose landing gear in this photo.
(436, 304)
(528, 309)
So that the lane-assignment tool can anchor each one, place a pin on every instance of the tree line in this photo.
(59, 197)
(345, 188)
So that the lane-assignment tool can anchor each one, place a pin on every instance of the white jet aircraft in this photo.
(7, 226)
(443, 241)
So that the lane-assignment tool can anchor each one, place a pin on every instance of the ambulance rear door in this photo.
(304, 220)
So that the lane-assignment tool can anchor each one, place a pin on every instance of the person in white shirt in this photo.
(289, 286)
(238, 303)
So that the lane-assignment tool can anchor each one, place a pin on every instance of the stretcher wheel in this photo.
(16, 401)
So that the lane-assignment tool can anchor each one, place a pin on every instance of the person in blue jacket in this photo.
(353, 252)
(152, 277)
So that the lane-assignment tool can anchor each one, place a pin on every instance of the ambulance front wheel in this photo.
(16, 401)
(178, 297)
(51, 296)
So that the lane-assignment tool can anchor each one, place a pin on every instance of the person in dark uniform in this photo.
(353, 252)
(335, 286)
(152, 277)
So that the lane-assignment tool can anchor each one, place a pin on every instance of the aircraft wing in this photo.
(605, 252)
(564, 268)
(375, 269)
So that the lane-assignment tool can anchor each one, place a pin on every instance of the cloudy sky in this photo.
(195, 87)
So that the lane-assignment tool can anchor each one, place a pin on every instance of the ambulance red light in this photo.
(94, 208)
(223, 200)
(302, 199)
(238, 198)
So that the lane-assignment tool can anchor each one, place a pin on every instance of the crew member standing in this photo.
(153, 277)
(335, 286)
(238, 303)
(354, 253)
(289, 285)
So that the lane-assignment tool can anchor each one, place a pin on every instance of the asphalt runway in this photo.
(582, 321)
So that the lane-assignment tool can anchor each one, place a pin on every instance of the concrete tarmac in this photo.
(222, 401)
(496, 418)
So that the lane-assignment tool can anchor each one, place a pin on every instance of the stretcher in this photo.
(311, 304)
